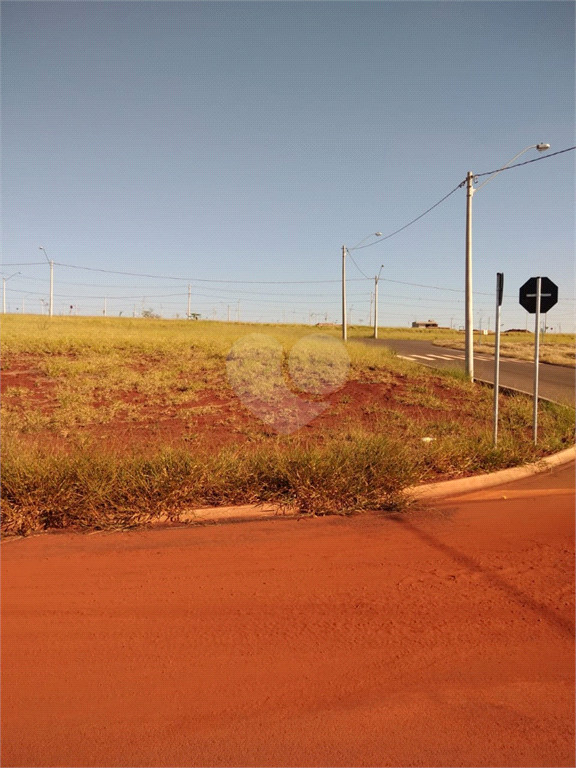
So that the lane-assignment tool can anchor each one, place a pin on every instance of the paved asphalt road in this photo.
(556, 382)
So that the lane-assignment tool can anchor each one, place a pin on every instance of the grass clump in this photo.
(96, 490)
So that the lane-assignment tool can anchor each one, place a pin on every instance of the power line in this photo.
(24, 264)
(196, 279)
(369, 245)
(517, 165)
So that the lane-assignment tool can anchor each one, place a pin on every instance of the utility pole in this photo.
(376, 279)
(228, 312)
(469, 318)
(105, 300)
(189, 299)
(51, 280)
(4, 281)
(375, 307)
(344, 329)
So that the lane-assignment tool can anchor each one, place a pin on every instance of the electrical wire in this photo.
(517, 165)
(196, 279)
(386, 237)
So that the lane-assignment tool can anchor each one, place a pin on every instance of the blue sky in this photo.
(239, 145)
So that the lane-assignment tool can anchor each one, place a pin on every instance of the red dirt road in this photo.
(443, 637)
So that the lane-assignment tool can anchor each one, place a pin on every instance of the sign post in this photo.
(499, 294)
(536, 357)
(539, 294)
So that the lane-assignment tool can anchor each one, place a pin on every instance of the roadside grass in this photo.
(99, 370)
(93, 490)
(557, 349)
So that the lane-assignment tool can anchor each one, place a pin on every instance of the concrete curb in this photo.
(478, 482)
(253, 512)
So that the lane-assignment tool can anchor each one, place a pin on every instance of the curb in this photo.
(479, 482)
(253, 512)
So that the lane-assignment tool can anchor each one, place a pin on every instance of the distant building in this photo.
(427, 324)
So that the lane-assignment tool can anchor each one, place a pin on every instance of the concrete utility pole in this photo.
(344, 251)
(228, 312)
(189, 299)
(4, 281)
(469, 320)
(376, 279)
(344, 329)
(468, 317)
(51, 312)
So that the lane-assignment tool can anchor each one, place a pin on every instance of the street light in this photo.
(51, 280)
(468, 320)
(24, 302)
(4, 281)
(376, 302)
(344, 250)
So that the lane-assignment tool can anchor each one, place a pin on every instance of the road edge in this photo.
(253, 512)
(502, 476)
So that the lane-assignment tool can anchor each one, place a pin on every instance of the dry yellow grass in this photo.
(558, 349)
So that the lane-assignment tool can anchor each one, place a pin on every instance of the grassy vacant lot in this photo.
(109, 422)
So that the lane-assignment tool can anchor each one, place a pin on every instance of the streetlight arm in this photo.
(375, 234)
(539, 147)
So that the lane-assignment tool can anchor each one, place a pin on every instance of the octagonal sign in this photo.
(548, 294)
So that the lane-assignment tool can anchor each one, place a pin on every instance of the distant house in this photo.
(427, 324)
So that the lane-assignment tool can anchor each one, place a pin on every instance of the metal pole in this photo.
(536, 358)
(51, 287)
(469, 320)
(344, 329)
(499, 288)
(189, 297)
(376, 307)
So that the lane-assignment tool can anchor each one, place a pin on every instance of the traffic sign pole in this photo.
(539, 294)
(536, 357)
(499, 292)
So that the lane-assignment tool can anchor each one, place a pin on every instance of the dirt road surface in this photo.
(442, 637)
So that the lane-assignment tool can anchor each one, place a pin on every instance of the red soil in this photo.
(225, 420)
(441, 637)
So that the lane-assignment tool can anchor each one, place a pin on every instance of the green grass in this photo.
(100, 370)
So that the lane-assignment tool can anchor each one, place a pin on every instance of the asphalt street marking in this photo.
(414, 358)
